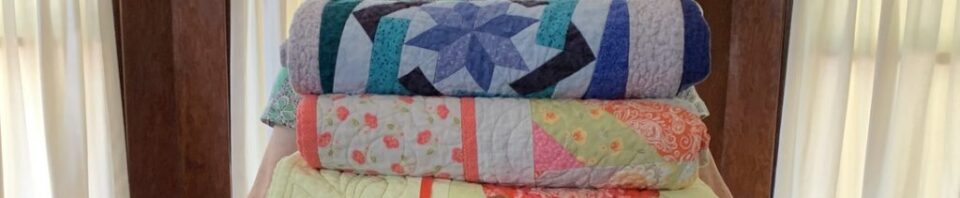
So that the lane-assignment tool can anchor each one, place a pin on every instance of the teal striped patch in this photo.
(545, 93)
(554, 22)
(335, 15)
(385, 56)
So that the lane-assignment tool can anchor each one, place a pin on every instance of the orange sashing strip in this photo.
(468, 130)
(426, 187)
(307, 130)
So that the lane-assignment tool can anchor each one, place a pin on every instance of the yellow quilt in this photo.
(294, 178)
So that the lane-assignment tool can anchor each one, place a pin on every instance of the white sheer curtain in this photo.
(257, 29)
(872, 101)
(61, 123)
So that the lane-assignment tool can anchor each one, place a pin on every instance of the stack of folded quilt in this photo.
(493, 98)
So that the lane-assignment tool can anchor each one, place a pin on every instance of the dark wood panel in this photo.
(714, 89)
(743, 91)
(203, 99)
(146, 54)
(174, 71)
(757, 35)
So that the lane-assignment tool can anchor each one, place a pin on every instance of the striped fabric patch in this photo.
(468, 128)
(334, 18)
(554, 22)
(696, 45)
(385, 57)
(545, 93)
(610, 75)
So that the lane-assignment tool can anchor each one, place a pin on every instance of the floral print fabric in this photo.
(633, 144)
(388, 135)
(281, 110)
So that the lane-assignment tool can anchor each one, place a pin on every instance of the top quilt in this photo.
(596, 49)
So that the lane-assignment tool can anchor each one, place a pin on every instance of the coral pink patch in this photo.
(442, 111)
(424, 137)
(548, 154)
(324, 139)
(678, 135)
(358, 157)
(370, 120)
(396, 168)
(391, 142)
(342, 113)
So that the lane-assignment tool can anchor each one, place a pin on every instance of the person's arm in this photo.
(710, 175)
(283, 142)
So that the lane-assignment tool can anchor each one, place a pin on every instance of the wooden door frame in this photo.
(174, 57)
(745, 89)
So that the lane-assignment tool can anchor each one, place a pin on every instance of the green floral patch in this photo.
(282, 107)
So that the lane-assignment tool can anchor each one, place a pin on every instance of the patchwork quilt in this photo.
(293, 178)
(630, 144)
(596, 49)
(281, 108)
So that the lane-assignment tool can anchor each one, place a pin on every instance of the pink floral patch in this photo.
(342, 113)
(391, 142)
(424, 137)
(442, 111)
(396, 168)
(370, 120)
(324, 139)
(358, 157)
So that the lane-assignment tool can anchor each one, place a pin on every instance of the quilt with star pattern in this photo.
(591, 49)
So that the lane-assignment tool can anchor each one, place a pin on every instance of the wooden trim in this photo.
(175, 81)
(714, 89)
(744, 91)
(758, 34)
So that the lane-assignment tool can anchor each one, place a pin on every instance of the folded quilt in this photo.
(601, 49)
(293, 178)
(281, 108)
(637, 144)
